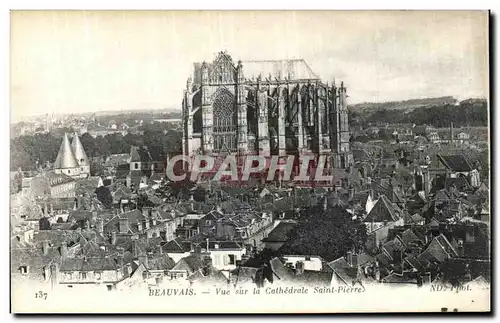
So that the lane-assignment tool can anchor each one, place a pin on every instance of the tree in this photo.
(89, 144)
(104, 196)
(328, 234)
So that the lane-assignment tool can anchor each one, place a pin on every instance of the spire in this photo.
(65, 157)
(79, 152)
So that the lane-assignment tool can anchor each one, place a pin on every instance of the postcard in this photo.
(249, 162)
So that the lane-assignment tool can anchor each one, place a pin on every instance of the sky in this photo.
(86, 61)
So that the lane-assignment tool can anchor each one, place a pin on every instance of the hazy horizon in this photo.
(87, 61)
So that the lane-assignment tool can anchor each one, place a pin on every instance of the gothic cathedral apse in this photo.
(273, 107)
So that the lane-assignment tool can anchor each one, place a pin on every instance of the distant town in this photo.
(92, 207)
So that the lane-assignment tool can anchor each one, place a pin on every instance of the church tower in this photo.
(81, 156)
(66, 162)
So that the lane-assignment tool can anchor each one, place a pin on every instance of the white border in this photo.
(195, 5)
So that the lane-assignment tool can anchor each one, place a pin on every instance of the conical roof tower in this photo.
(79, 152)
(65, 157)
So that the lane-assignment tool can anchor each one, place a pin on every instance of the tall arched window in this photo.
(224, 127)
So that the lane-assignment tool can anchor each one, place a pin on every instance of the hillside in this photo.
(435, 112)
(403, 105)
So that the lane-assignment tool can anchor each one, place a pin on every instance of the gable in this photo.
(222, 70)
(383, 211)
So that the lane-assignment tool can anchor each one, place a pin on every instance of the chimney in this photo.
(75, 205)
(460, 248)
(45, 247)
(139, 226)
(426, 279)
(207, 265)
(349, 257)
(351, 192)
(123, 224)
(119, 258)
(299, 268)
(51, 208)
(64, 250)
(113, 238)
(54, 279)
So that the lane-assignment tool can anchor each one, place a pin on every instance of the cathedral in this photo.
(72, 159)
(273, 107)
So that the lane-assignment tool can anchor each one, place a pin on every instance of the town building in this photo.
(71, 159)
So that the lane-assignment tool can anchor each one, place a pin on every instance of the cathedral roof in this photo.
(294, 69)
(65, 157)
(79, 152)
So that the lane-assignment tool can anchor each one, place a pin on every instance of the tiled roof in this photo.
(393, 246)
(279, 269)
(89, 264)
(117, 159)
(243, 275)
(457, 163)
(193, 263)
(215, 277)
(139, 154)
(408, 236)
(383, 211)
(57, 179)
(460, 183)
(160, 262)
(280, 232)
(345, 271)
(176, 246)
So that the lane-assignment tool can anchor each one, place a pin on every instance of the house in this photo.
(463, 137)
(345, 271)
(225, 255)
(187, 266)
(177, 249)
(100, 271)
(115, 160)
(279, 235)
(50, 184)
(459, 166)
(433, 137)
(309, 262)
(438, 251)
(382, 217)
